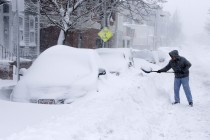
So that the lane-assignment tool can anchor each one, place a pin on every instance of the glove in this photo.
(159, 71)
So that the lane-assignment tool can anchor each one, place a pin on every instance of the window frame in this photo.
(21, 29)
(32, 30)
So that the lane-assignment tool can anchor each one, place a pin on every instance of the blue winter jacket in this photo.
(180, 65)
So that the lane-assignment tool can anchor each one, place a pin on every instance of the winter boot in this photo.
(175, 103)
(191, 104)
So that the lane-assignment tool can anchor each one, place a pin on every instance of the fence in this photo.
(5, 54)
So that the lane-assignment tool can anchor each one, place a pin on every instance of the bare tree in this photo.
(70, 15)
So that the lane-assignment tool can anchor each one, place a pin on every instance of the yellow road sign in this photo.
(105, 34)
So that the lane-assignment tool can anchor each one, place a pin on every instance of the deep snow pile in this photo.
(130, 106)
(60, 72)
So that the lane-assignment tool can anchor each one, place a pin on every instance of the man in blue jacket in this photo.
(181, 66)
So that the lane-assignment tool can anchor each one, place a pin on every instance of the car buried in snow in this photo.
(60, 74)
(116, 60)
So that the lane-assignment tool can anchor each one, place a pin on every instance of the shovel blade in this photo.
(145, 71)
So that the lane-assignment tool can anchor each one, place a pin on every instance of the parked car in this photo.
(60, 74)
(116, 60)
(145, 54)
(150, 56)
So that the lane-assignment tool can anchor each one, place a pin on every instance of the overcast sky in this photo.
(193, 14)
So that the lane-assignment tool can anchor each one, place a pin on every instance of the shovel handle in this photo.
(156, 71)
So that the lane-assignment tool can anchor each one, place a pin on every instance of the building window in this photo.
(6, 8)
(21, 30)
(128, 44)
(31, 23)
(21, 22)
(123, 43)
(127, 20)
(21, 35)
(6, 30)
(32, 29)
(32, 37)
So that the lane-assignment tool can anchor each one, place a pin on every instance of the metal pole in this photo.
(79, 36)
(116, 30)
(38, 30)
(155, 31)
(104, 22)
(17, 46)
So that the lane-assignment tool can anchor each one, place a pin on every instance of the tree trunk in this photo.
(65, 35)
(62, 37)
(79, 45)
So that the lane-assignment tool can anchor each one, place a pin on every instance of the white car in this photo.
(116, 60)
(144, 54)
(60, 74)
(150, 56)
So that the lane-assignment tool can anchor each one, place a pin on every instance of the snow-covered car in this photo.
(144, 54)
(116, 60)
(150, 56)
(60, 74)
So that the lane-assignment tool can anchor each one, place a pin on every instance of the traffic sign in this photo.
(105, 34)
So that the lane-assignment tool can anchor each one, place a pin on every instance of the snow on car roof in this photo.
(61, 65)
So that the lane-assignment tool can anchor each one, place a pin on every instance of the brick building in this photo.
(49, 37)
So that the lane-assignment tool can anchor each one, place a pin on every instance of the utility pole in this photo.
(79, 36)
(38, 28)
(157, 24)
(104, 21)
(17, 45)
(155, 30)
(116, 30)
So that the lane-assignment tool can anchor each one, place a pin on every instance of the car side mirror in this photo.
(101, 72)
(22, 71)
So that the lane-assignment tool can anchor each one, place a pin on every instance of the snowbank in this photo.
(132, 106)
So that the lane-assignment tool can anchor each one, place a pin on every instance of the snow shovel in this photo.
(154, 71)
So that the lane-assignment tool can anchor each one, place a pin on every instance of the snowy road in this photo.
(180, 121)
(132, 106)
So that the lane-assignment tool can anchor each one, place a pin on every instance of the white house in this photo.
(123, 33)
(26, 27)
(149, 35)
(6, 21)
(162, 28)
(158, 22)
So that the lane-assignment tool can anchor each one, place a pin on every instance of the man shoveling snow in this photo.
(181, 66)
